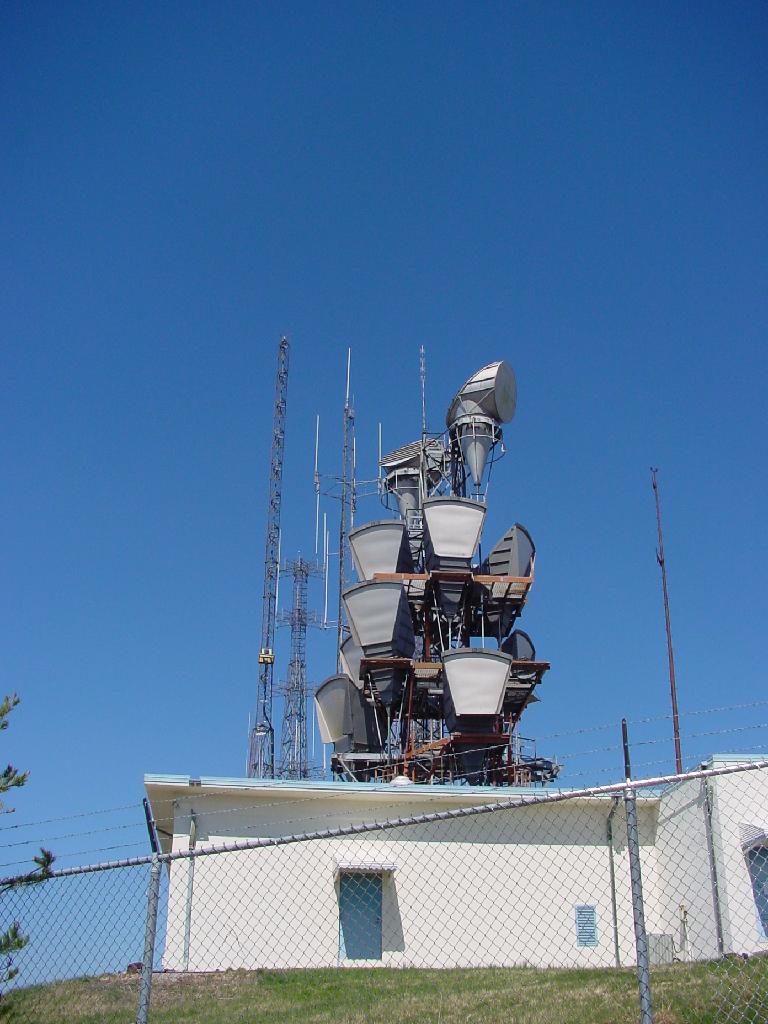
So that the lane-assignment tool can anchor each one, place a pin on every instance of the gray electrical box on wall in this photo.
(661, 949)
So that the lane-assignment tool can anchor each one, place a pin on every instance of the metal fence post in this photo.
(638, 912)
(635, 876)
(153, 900)
(713, 865)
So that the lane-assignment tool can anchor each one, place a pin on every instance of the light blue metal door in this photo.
(359, 916)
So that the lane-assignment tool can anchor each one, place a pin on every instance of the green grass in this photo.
(682, 994)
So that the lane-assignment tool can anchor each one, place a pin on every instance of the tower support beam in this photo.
(294, 752)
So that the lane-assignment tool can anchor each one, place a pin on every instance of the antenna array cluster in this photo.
(432, 677)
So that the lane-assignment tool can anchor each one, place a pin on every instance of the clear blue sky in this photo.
(577, 188)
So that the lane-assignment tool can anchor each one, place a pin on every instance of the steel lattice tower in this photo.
(294, 759)
(261, 749)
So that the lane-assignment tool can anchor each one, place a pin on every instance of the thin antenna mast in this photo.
(345, 484)
(317, 485)
(670, 653)
(423, 483)
(261, 748)
(326, 545)
(423, 377)
(353, 483)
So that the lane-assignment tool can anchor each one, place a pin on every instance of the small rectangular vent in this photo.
(586, 924)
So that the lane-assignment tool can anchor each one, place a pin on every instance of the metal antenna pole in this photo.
(345, 484)
(423, 469)
(670, 652)
(316, 482)
(261, 752)
(294, 760)
(423, 376)
(353, 479)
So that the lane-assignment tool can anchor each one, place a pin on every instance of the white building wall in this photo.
(489, 889)
(739, 801)
(685, 899)
(493, 889)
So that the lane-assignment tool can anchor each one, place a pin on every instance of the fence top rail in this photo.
(520, 800)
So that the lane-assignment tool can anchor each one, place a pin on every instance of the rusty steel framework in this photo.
(294, 751)
(420, 747)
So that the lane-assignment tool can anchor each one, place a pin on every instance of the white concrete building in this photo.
(543, 885)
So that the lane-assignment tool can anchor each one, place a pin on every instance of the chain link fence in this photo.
(642, 902)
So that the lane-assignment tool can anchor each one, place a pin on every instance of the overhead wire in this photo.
(654, 718)
(70, 817)
(73, 835)
(79, 853)
(162, 817)
(108, 810)
(142, 824)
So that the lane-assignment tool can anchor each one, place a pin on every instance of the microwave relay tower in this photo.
(294, 752)
(433, 676)
(261, 741)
